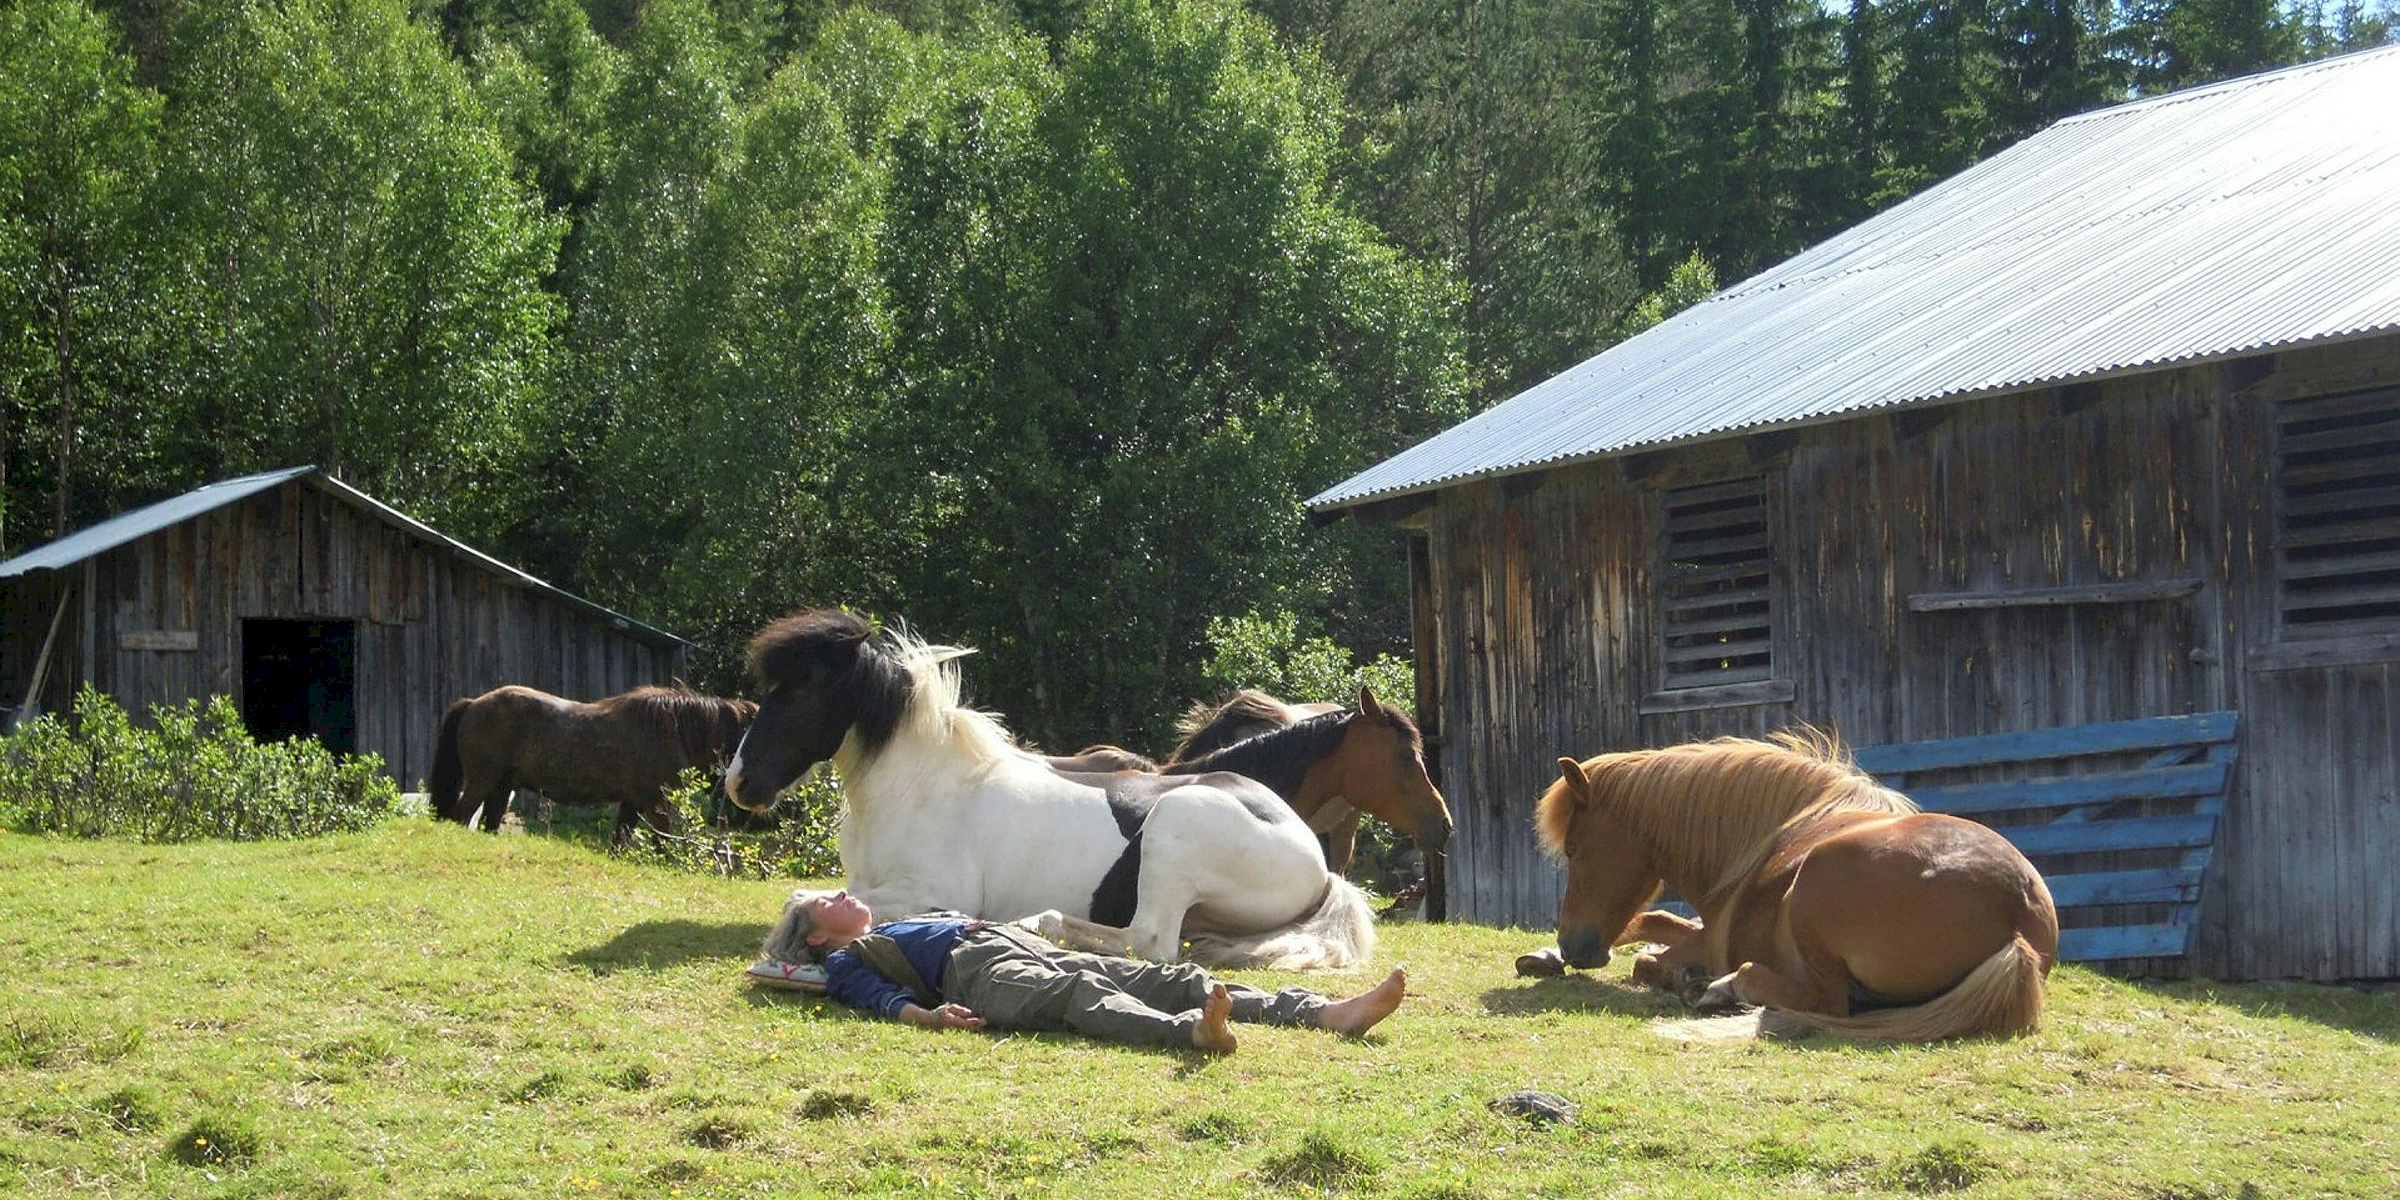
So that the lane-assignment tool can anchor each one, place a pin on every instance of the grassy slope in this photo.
(421, 1011)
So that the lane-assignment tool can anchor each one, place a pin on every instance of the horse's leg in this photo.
(481, 793)
(1762, 985)
(1156, 930)
(1660, 926)
(1075, 933)
(1341, 843)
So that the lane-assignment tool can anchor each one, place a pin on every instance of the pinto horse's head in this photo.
(1609, 877)
(820, 674)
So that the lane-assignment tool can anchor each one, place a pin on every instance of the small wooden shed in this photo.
(317, 608)
(2106, 427)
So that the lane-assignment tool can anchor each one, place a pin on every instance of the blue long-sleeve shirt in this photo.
(924, 940)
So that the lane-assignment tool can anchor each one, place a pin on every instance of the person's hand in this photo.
(948, 1016)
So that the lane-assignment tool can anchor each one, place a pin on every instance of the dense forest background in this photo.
(1030, 322)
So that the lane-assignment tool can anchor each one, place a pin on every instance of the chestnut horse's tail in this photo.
(1340, 932)
(2002, 996)
(448, 775)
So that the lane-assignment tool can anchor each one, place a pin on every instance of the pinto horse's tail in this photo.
(2002, 997)
(1339, 932)
(448, 775)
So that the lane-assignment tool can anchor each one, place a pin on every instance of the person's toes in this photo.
(1214, 1033)
(1361, 1012)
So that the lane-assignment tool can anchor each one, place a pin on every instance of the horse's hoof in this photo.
(1691, 982)
(1718, 1000)
(1543, 963)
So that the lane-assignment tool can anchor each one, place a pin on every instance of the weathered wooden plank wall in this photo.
(431, 627)
(1546, 642)
(2306, 887)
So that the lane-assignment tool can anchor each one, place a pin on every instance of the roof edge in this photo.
(1331, 510)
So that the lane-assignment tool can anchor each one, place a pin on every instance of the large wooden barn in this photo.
(2106, 427)
(317, 608)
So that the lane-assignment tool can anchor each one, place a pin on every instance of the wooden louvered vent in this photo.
(1714, 597)
(2337, 536)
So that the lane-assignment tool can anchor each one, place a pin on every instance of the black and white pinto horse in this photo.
(942, 810)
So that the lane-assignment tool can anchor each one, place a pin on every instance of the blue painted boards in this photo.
(2120, 817)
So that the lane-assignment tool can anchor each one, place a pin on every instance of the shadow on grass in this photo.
(653, 945)
(1580, 993)
(2370, 1010)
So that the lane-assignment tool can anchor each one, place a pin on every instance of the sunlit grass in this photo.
(424, 1011)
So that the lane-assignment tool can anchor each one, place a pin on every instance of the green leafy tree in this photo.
(1157, 324)
(77, 145)
(2183, 42)
(363, 267)
(1475, 120)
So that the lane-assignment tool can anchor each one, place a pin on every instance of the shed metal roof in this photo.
(142, 522)
(2213, 223)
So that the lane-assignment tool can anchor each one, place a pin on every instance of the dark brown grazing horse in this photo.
(623, 750)
(1823, 896)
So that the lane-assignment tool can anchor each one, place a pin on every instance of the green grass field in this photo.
(422, 1011)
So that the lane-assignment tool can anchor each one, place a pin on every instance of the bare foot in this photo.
(1214, 1033)
(1359, 1013)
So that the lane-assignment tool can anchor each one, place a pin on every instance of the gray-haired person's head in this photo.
(789, 940)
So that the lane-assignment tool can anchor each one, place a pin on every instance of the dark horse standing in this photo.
(624, 750)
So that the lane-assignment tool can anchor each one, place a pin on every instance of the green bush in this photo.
(803, 845)
(193, 773)
(1267, 651)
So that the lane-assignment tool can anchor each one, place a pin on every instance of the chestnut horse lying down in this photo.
(1824, 897)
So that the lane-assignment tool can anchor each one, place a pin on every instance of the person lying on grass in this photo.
(948, 971)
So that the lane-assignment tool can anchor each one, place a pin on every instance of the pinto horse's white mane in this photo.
(934, 709)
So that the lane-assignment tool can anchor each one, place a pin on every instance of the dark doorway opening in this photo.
(298, 678)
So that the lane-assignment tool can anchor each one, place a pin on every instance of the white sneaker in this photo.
(776, 973)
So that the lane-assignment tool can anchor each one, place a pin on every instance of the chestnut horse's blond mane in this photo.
(1707, 809)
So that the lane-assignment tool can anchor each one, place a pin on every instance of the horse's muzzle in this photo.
(1434, 838)
(1583, 948)
(737, 789)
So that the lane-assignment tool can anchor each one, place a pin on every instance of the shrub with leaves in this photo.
(194, 772)
(1267, 651)
(708, 836)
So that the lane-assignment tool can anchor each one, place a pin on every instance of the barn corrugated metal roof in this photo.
(2213, 223)
(142, 522)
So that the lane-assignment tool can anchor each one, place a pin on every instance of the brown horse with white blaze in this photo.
(1824, 897)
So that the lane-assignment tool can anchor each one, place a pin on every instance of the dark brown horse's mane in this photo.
(1207, 728)
(700, 725)
(840, 653)
(1727, 792)
(1278, 757)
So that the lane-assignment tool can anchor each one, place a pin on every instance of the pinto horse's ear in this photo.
(1368, 704)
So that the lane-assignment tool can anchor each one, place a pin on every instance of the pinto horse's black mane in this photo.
(838, 655)
(1279, 757)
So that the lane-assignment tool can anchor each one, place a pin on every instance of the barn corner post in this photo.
(1425, 660)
